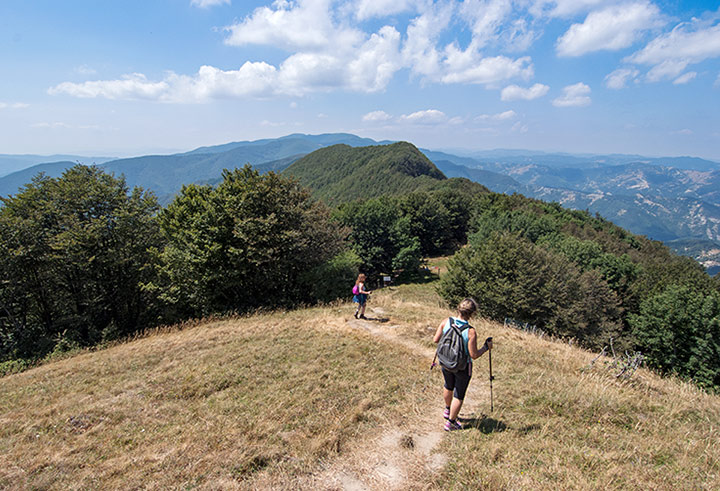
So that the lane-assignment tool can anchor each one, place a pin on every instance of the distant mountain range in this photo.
(14, 163)
(674, 199)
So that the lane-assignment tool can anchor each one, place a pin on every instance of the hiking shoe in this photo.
(362, 317)
(355, 315)
(452, 425)
(446, 413)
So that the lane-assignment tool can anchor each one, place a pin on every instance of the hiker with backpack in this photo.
(360, 295)
(457, 347)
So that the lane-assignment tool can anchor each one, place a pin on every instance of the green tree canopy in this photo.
(679, 331)
(74, 256)
(247, 243)
(511, 277)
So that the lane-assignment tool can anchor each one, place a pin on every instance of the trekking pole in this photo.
(432, 365)
(488, 340)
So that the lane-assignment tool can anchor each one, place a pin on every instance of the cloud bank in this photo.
(359, 46)
(576, 95)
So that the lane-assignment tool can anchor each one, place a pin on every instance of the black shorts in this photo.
(458, 382)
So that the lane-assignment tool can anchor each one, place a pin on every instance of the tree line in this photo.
(582, 277)
(84, 259)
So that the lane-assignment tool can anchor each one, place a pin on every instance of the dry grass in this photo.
(241, 403)
(209, 406)
(559, 424)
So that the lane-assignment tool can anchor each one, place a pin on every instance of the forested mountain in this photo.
(341, 173)
(668, 199)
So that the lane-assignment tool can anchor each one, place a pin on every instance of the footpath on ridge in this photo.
(397, 457)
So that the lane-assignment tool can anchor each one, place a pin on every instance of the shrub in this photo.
(511, 277)
(245, 244)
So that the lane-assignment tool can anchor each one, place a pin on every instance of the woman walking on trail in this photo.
(456, 382)
(360, 295)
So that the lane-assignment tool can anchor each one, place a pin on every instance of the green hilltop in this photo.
(341, 173)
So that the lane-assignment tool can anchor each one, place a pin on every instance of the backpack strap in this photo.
(456, 327)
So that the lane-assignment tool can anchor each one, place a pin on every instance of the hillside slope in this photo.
(314, 399)
(342, 173)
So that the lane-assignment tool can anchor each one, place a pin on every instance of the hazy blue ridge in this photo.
(10, 164)
(165, 174)
(313, 141)
(499, 183)
(11, 183)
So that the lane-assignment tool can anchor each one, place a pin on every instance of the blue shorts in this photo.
(361, 299)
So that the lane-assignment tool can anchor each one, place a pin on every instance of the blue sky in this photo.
(158, 76)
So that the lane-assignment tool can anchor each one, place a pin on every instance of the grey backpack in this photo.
(451, 349)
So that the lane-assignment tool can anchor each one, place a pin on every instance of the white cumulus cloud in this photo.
(503, 116)
(376, 116)
(54, 125)
(685, 78)
(576, 95)
(515, 92)
(132, 86)
(487, 71)
(619, 78)
(13, 105)
(486, 17)
(366, 9)
(519, 127)
(565, 8)
(306, 24)
(613, 28)
(420, 50)
(252, 79)
(208, 3)
(668, 69)
(428, 116)
(670, 53)
(329, 49)
(375, 63)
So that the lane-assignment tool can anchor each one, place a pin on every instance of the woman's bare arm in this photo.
(438, 333)
(472, 345)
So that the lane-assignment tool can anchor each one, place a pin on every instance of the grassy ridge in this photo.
(561, 424)
(271, 398)
(214, 404)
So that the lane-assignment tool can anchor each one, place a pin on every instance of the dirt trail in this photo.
(397, 458)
